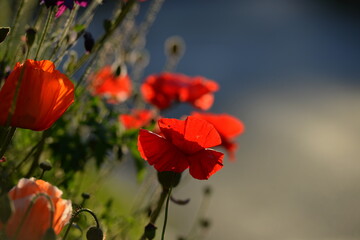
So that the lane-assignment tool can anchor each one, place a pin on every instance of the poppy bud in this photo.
(107, 25)
(205, 223)
(45, 166)
(207, 190)
(30, 36)
(94, 233)
(85, 196)
(49, 234)
(50, 3)
(169, 179)
(6, 208)
(150, 231)
(174, 47)
(89, 41)
(3, 33)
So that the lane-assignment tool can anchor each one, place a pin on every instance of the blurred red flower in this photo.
(166, 88)
(227, 126)
(136, 119)
(184, 144)
(44, 95)
(116, 89)
(31, 222)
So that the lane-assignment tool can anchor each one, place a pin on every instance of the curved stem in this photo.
(75, 215)
(52, 210)
(166, 214)
(48, 20)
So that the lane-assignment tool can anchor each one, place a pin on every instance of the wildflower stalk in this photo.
(48, 20)
(100, 43)
(67, 26)
(38, 152)
(156, 213)
(14, 28)
(37, 196)
(166, 214)
(6, 135)
(28, 155)
(75, 215)
(7, 141)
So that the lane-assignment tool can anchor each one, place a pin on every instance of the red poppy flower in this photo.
(37, 220)
(227, 126)
(164, 89)
(116, 89)
(44, 95)
(137, 119)
(184, 145)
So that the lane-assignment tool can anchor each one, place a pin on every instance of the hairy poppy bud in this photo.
(205, 223)
(3, 33)
(85, 195)
(49, 234)
(46, 166)
(50, 3)
(207, 190)
(89, 41)
(174, 47)
(169, 179)
(94, 233)
(150, 231)
(30, 36)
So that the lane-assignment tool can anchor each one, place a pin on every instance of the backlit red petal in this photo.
(205, 163)
(160, 152)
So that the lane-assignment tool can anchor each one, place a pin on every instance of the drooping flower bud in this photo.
(94, 233)
(30, 36)
(88, 41)
(150, 231)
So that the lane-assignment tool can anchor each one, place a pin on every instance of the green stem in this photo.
(38, 152)
(75, 215)
(14, 28)
(7, 141)
(48, 20)
(66, 30)
(157, 211)
(100, 43)
(166, 214)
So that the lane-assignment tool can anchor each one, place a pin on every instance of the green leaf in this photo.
(79, 28)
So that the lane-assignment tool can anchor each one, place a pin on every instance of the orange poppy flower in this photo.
(116, 89)
(166, 88)
(228, 128)
(137, 119)
(33, 225)
(44, 95)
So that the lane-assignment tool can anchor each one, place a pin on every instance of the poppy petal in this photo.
(160, 152)
(191, 135)
(227, 125)
(205, 163)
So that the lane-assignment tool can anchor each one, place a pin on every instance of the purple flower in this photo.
(64, 4)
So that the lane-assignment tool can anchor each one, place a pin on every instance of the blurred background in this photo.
(290, 70)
